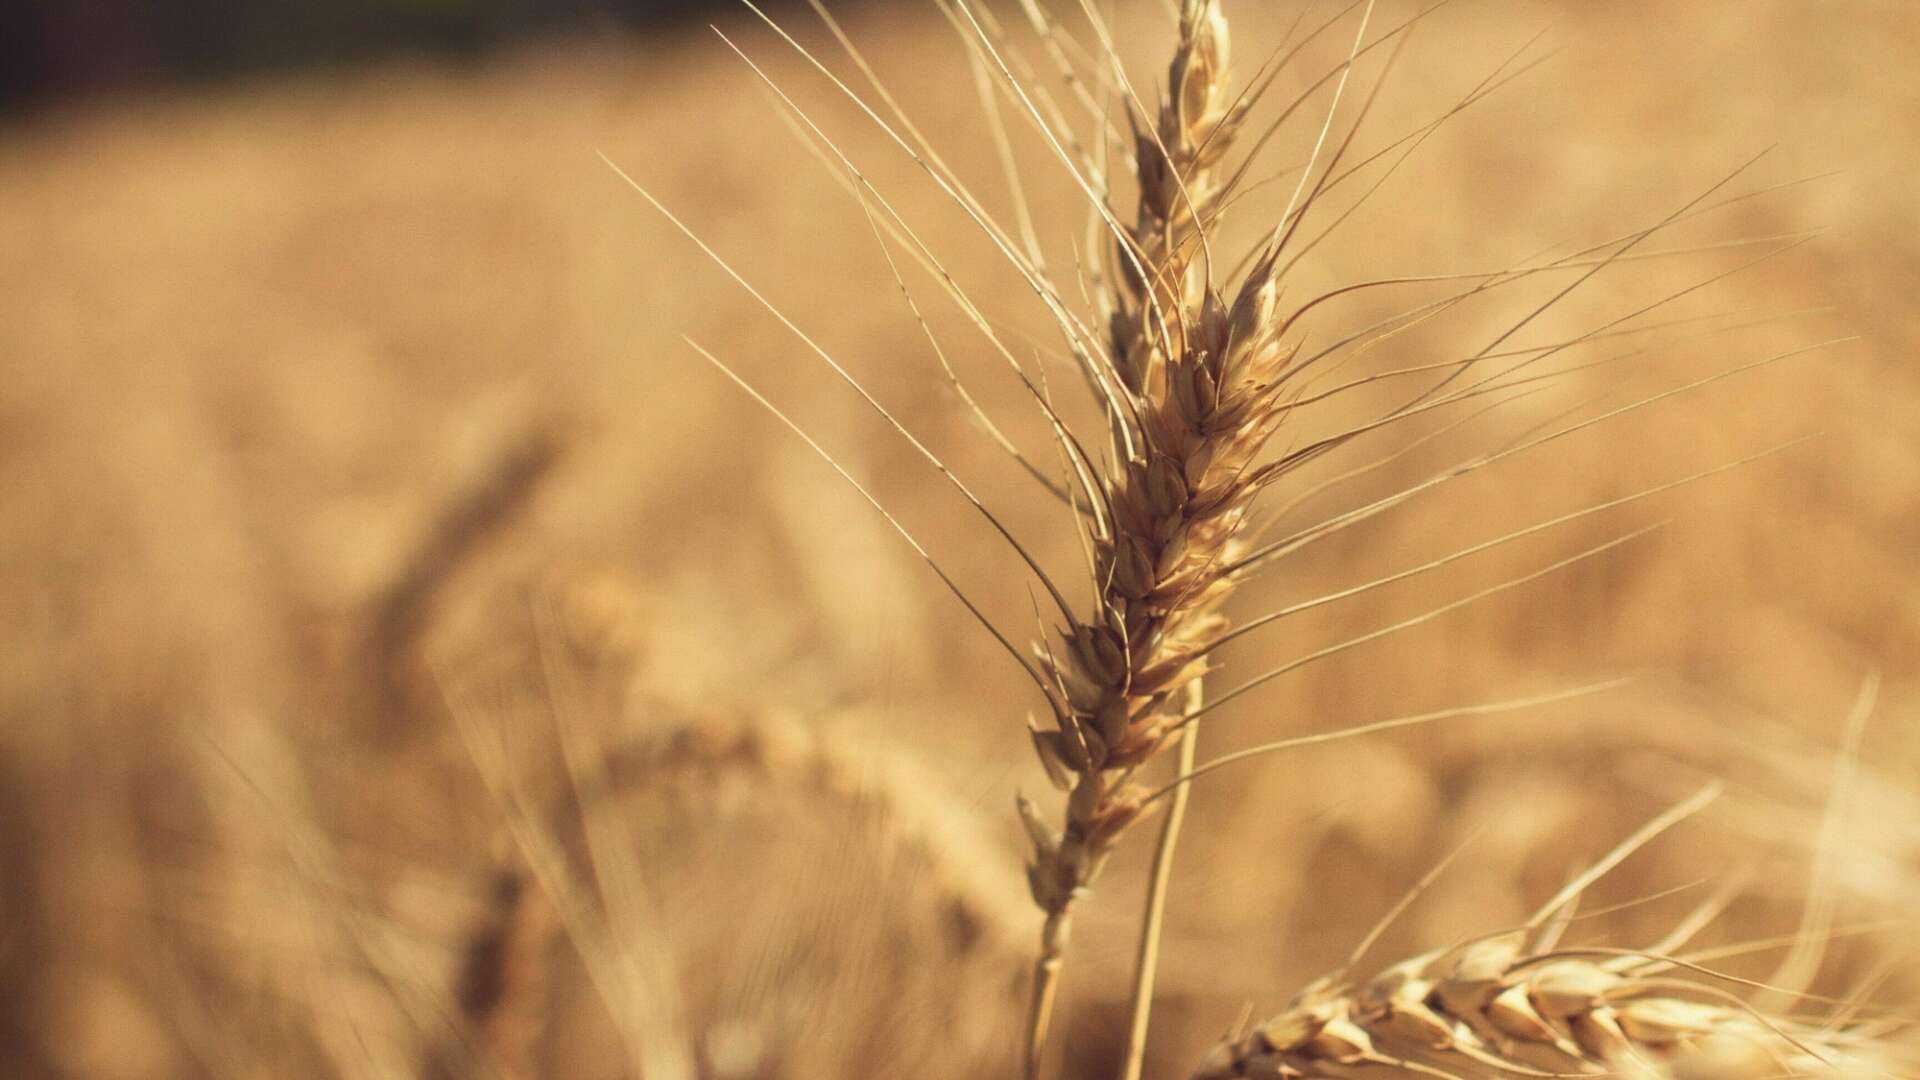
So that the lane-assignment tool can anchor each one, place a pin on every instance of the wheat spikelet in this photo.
(1176, 163)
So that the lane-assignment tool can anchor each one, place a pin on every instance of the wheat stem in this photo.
(1046, 985)
(1147, 963)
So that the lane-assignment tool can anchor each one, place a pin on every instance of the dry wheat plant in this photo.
(1153, 301)
(1211, 361)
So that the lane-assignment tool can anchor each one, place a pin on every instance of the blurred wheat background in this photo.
(364, 515)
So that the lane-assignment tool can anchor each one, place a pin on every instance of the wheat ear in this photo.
(915, 812)
(973, 915)
(1192, 380)
(1520, 1004)
(1498, 1007)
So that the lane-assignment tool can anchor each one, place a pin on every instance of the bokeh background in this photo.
(353, 469)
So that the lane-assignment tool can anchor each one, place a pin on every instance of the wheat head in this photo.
(1501, 1006)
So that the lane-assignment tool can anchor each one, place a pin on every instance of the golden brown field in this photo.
(420, 662)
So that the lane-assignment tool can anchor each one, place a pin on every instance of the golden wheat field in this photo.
(421, 660)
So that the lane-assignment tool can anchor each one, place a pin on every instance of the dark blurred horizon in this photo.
(51, 50)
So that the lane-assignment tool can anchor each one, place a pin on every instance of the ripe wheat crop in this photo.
(1316, 502)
